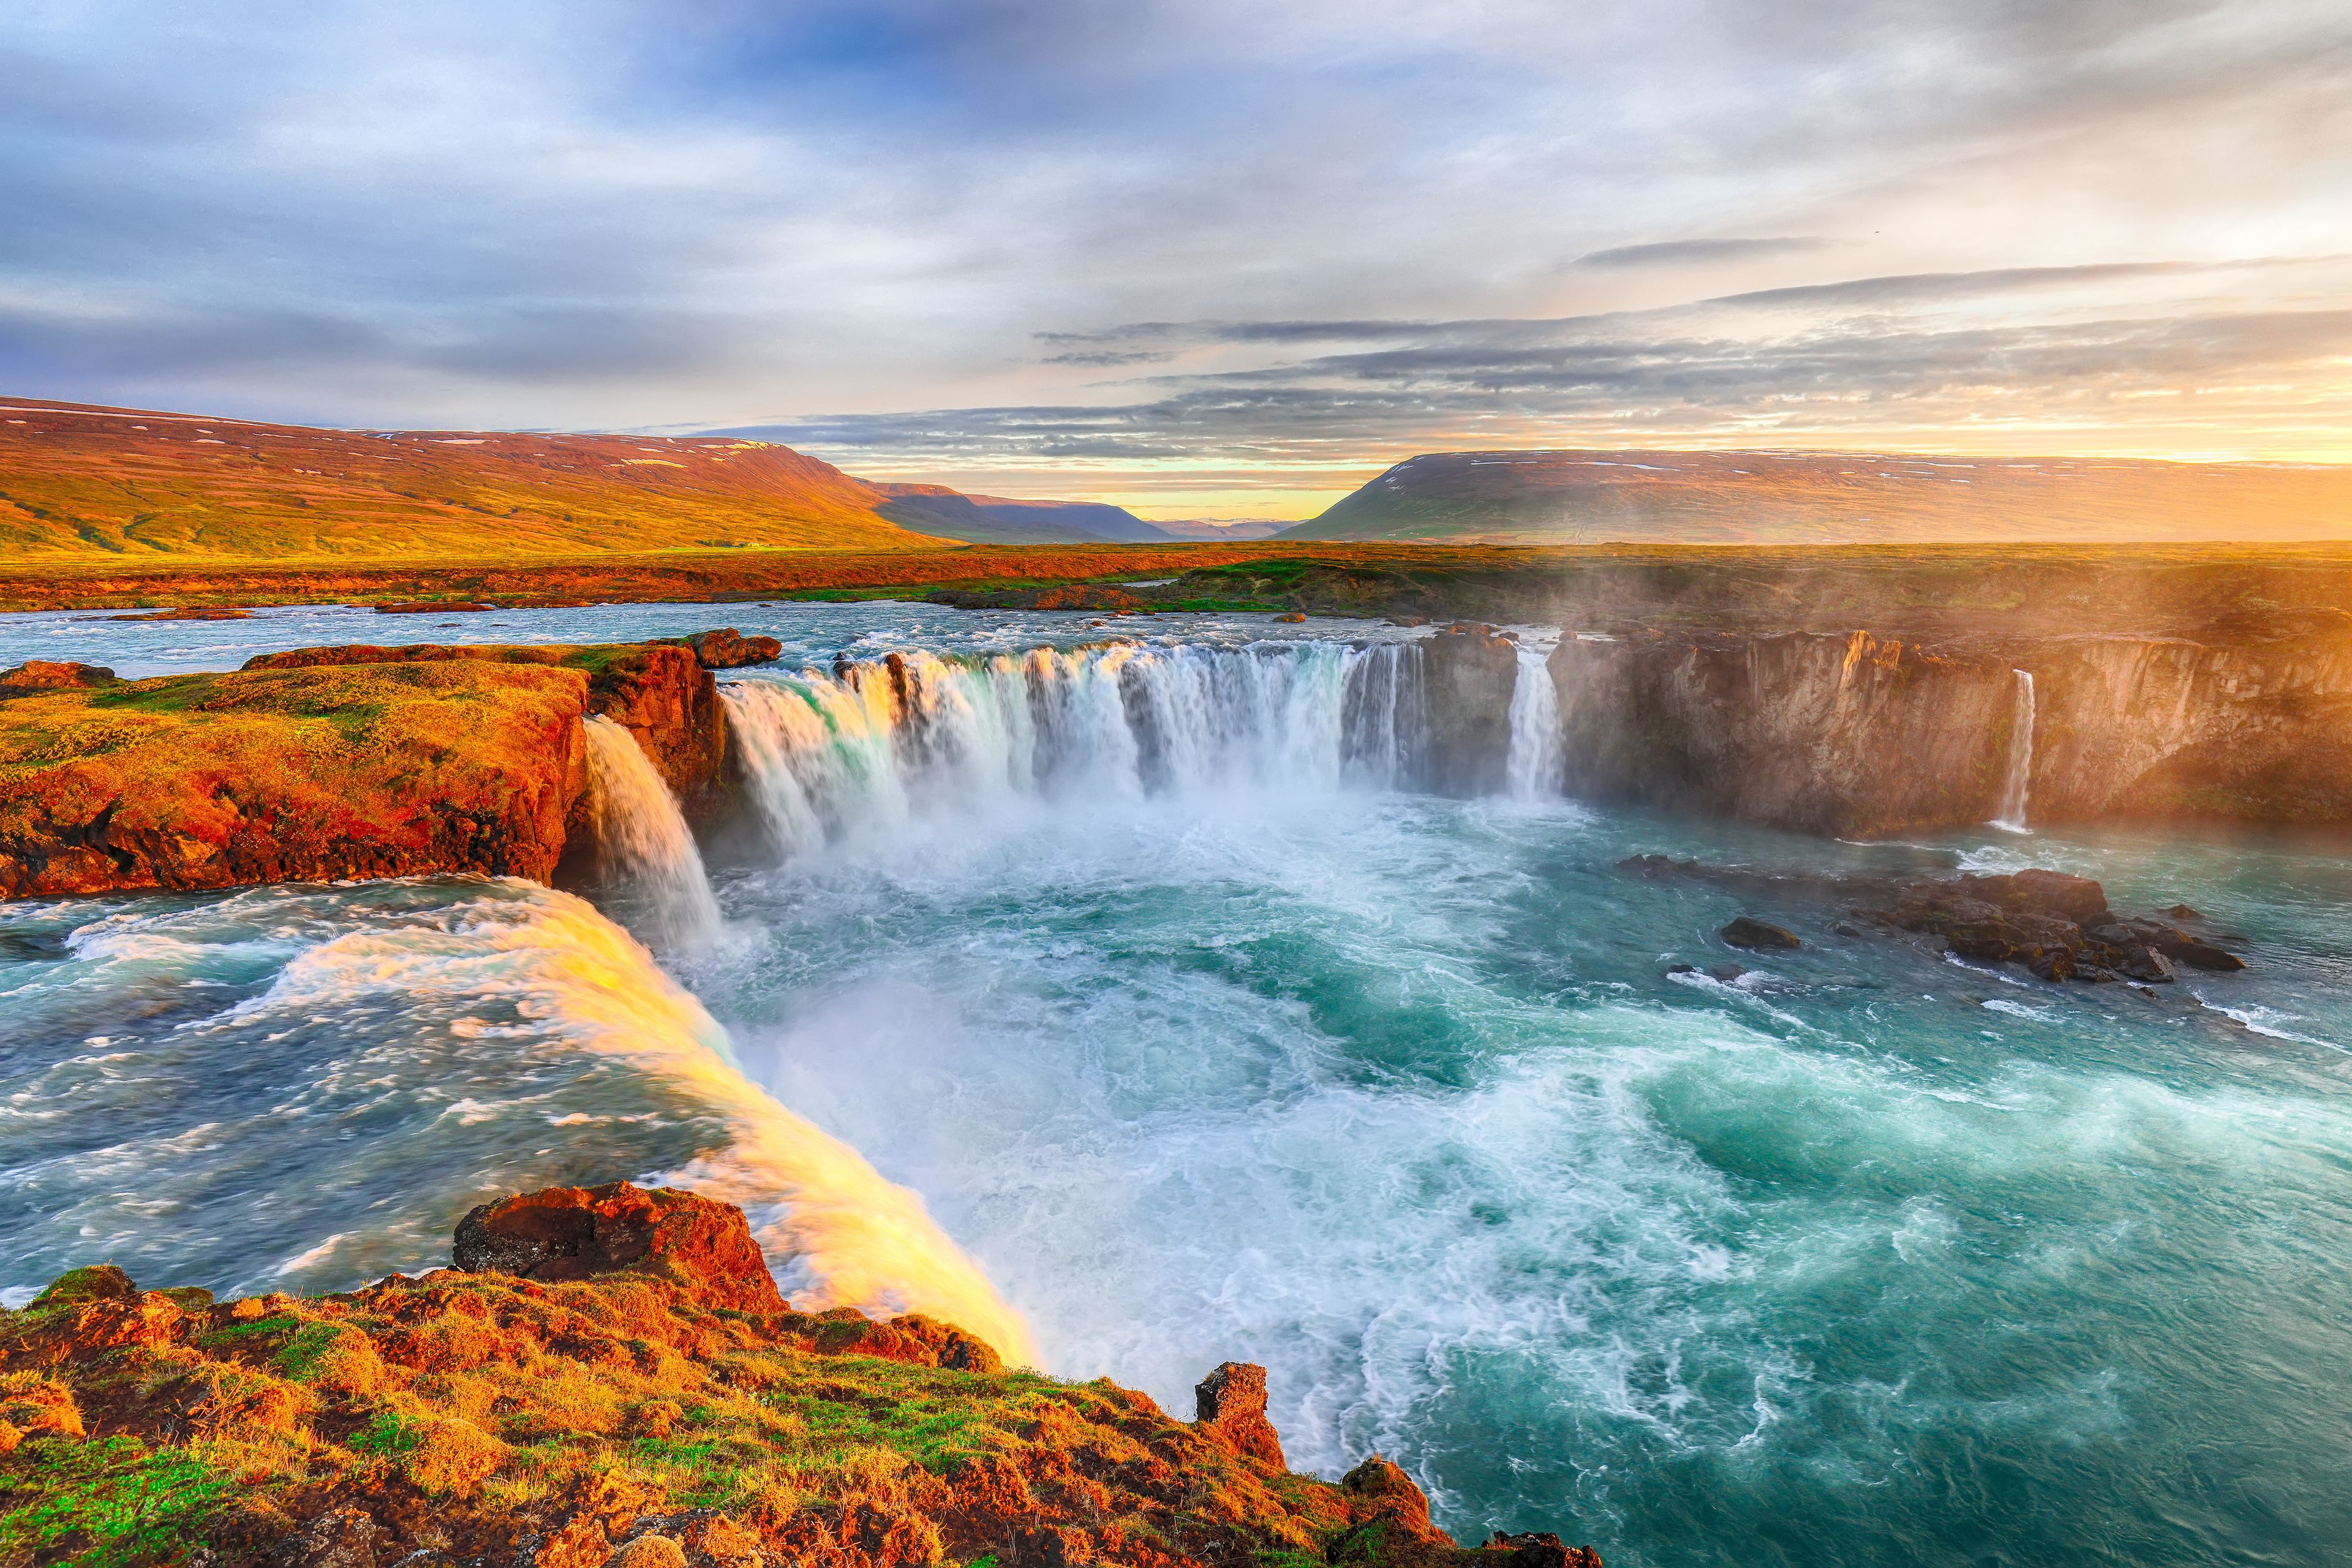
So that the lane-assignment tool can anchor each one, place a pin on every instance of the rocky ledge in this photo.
(345, 762)
(2055, 924)
(608, 1377)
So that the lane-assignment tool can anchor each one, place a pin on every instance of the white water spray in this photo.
(856, 752)
(645, 842)
(2012, 814)
(1532, 770)
(835, 1232)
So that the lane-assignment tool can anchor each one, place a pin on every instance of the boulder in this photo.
(1759, 936)
(1232, 1399)
(41, 675)
(581, 1232)
(726, 649)
(2077, 898)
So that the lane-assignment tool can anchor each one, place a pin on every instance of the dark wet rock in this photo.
(1232, 1399)
(1682, 969)
(580, 1233)
(2056, 925)
(1726, 972)
(1540, 1550)
(1759, 936)
(726, 649)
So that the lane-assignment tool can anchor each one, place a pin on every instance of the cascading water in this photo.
(1532, 769)
(853, 753)
(649, 851)
(2012, 814)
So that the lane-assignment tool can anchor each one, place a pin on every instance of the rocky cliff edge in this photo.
(607, 1377)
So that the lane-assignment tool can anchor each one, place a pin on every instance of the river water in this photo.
(1143, 1034)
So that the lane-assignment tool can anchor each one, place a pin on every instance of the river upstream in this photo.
(1147, 1038)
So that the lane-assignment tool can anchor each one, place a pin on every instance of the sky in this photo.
(1202, 258)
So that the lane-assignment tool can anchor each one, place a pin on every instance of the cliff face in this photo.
(642, 1400)
(216, 781)
(2261, 731)
(1468, 673)
(1855, 735)
(1832, 735)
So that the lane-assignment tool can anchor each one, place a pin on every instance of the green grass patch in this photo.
(107, 1504)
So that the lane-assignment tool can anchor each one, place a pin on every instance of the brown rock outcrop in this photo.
(41, 675)
(1231, 1401)
(291, 774)
(726, 649)
(578, 1232)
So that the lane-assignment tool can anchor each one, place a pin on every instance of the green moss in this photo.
(277, 1323)
(101, 1281)
(388, 1433)
(105, 1504)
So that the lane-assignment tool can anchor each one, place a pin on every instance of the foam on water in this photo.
(373, 1082)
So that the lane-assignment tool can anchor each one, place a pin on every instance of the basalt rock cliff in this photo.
(649, 1403)
(1859, 735)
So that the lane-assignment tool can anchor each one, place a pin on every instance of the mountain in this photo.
(1758, 496)
(78, 481)
(998, 520)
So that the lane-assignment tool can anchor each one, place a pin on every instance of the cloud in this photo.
(1225, 227)
(1693, 252)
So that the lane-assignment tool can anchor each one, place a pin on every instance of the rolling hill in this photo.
(1799, 498)
(78, 483)
(999, 520)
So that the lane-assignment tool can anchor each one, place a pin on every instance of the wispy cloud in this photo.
(1694, 252)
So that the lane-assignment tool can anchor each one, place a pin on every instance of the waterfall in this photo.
(1532, 768)
(854, 751)
(648, 850)
(2011, 815)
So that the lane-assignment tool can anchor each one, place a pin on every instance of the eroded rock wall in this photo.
(1845, 734)
(2147, 728)
(1855, 734)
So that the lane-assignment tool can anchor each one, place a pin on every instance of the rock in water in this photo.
(578, 1233)
(726, 649)
(1233, 1400)
(1758, 936)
